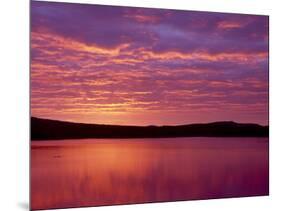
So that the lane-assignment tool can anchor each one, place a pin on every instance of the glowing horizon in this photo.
(136, 66)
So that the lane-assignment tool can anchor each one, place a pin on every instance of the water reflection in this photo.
(95, 172)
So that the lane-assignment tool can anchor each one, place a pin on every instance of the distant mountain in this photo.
(45, 129)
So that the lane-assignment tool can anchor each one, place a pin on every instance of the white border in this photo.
(14, 104)
(233, 6)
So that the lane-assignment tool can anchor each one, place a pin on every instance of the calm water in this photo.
(92, 172)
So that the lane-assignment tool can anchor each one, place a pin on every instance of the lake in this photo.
(94, 172)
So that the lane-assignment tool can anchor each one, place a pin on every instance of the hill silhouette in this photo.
(45, 129)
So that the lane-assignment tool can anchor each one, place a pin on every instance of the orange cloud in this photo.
(141, 18)
(229, 25)
(170, 55)
(71, 44)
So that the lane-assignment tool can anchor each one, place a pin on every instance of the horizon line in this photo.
(195, 123)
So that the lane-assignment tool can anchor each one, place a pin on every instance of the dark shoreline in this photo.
(45, 129)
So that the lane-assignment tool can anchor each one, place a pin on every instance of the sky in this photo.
(139, 66)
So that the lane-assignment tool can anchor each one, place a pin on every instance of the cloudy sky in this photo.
(135, 66)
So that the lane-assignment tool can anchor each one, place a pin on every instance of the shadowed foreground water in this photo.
(93, 172)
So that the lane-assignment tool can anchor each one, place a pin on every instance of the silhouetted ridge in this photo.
(44, 129)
